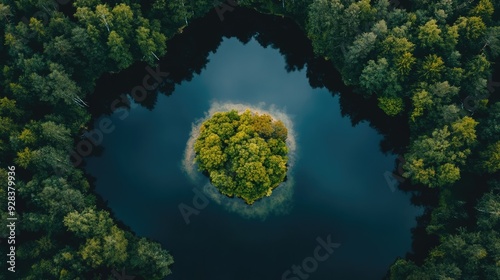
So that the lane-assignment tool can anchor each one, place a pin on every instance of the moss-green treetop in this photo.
(245, 155)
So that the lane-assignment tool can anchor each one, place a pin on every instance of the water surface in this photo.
(339, 188)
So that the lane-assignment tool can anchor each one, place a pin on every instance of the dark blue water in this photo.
(339, 189)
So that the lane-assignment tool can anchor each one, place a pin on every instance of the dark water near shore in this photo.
(339, 187)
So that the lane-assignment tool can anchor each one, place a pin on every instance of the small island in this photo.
(244, 155)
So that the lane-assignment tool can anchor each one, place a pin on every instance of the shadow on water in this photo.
(188, 54)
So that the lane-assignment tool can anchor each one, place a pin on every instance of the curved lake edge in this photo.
(356, 107)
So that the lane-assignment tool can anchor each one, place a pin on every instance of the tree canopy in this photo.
(419, 61)
(245, 155)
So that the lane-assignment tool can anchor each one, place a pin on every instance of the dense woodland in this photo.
(244, 155)
(427, 62)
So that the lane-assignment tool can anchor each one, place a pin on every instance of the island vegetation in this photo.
(245, 155)
(418, 60)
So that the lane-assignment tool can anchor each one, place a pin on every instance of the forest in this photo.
(433, 64)
(245, 154)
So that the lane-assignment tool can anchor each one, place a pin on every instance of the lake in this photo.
(336, 188)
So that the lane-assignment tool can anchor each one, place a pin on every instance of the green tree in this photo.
(61, 49)
(151, 43)
(8, 108)
(54, 134)
(405, 63)
(150, 259)
(432, 68)
(6, 126)
(378, 77)
(122, 20)
(492, 42)
(484, 9)
(244, 154)
(470, 253)
(108, 250)
(56, 86)
(470, 28)
(422, 100)
(491, 157)
(181, 11)
(25, 157)
(27, 137)
(488, 209)
(435, 161)
(324, 27)
(358, 52)
(391, 105)
(58, 198)
(394, 46)
(489, 127)
(5, 12)
(430, 34)
(450, 38)
(88, 222)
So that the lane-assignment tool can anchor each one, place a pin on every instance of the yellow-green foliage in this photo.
(391, 105)
(245, 155)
